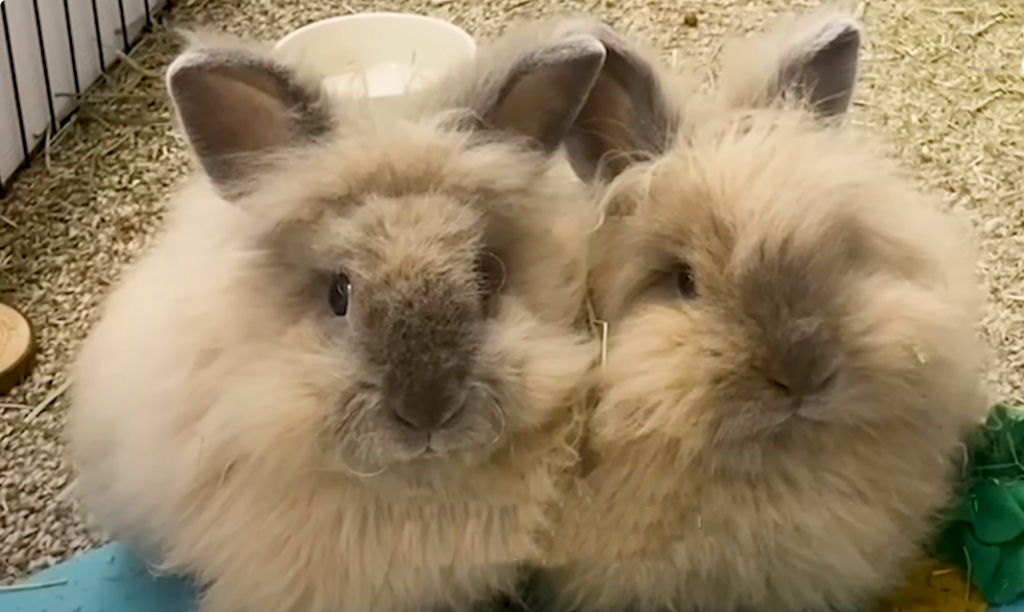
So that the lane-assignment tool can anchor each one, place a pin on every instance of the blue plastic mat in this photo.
(113, 579)
(108, 579)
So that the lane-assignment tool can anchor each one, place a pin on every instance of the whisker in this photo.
(359, 410)
(504, 423)
(359, 474)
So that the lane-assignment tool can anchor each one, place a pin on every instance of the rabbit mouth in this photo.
(371, 441)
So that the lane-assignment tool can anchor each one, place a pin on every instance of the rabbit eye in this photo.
(685, 284)
(338, 297)
(492, 273)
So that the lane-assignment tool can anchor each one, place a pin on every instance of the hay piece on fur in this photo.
(985, 535)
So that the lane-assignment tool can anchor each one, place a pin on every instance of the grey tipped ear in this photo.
(815, 58)
(823, 65)
(627, 116)
(541, 93)
(236, 106)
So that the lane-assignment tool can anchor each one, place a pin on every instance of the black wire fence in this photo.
(50, 52)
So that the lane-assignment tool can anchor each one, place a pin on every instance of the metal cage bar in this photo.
(46, 67)
(99, 36)
(14, 81)
(33, 40)
(71, 48)
(124, 26)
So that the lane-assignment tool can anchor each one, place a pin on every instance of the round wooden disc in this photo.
(17, 346)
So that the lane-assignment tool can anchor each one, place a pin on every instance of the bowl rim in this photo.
(380, 15)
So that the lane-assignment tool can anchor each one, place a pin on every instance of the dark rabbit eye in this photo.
(685, 284)
(492, 273)
(338, 297)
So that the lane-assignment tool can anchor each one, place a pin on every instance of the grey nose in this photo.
(799, 384)
(800, 361)
(430, 407)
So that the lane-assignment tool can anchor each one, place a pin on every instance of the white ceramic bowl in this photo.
(377, 55)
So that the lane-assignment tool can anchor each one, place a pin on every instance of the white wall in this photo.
(25, 47)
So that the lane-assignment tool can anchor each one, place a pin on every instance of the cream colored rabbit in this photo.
(343, 379)
(791, 362)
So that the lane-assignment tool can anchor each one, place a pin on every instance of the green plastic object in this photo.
(109, 579)
(985, 534)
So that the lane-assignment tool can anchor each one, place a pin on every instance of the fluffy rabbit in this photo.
(791, 361)
(345, 376)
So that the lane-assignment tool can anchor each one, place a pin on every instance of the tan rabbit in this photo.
(343, 379)
(791, 361)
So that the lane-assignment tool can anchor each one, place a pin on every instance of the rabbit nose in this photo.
(799, 387)
(431, 408)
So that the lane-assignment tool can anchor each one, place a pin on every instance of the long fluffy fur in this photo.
(203, 394)
(699, 495)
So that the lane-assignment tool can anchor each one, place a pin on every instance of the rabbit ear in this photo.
(235, 106)
(627, 116)
(540, 94)
(815, 57)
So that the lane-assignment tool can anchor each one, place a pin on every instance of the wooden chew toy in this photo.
(17, 347)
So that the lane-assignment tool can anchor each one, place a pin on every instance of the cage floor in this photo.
(942, 82)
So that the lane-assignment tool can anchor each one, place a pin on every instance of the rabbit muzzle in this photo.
(428, 355)
(428, 400)
(429, 394)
